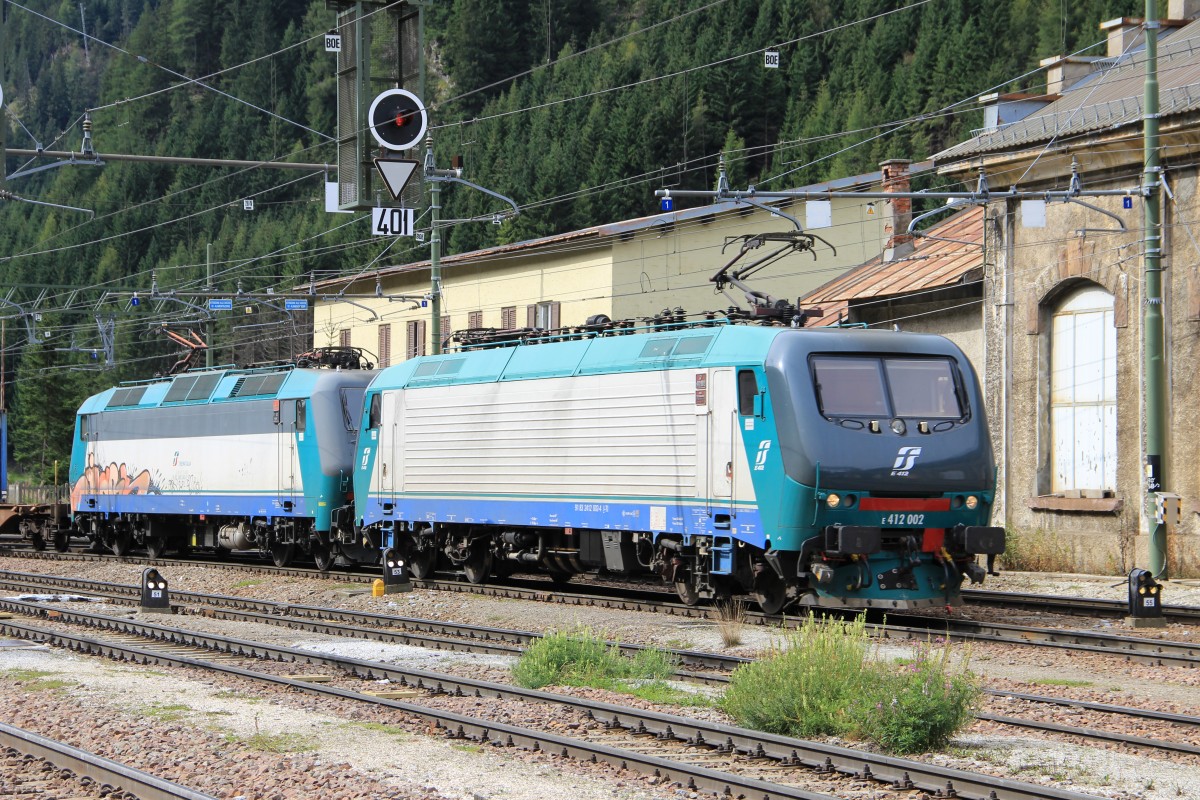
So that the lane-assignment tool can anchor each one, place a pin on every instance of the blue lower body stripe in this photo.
(668, 516)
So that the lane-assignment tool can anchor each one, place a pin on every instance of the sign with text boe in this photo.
(392, 221)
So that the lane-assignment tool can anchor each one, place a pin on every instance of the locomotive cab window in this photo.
(301, 416)
(923, 388)
(849, 386)
(376, 412)
(747, 393)
(352, 403)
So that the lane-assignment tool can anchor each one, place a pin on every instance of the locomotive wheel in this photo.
(62, 541)
(37, 542)
(121, 543)
(421, 562)
(561, 578)
(323, 556)
(155, 546)
(687, 592)
(770, 592)
(478, 565)
(282, 553)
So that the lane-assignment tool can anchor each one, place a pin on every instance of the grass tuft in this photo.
(824, 683)
(1036, 551)
(580, 658)
(275, 742)
(37, 680)
(731, 615)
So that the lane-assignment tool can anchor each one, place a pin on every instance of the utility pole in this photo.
(437, 177)
(208, 326)
(435, 243)
(1153, 361)
(3, 113)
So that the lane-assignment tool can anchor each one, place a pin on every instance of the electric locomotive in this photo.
(822, 467)
(226, 459)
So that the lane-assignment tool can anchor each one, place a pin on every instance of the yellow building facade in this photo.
(626, 270)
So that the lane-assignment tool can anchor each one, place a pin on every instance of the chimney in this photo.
(1124, 34)
(1182, 9)
(897, 211)
(1063, 72)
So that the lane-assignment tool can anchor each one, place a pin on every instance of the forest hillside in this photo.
(578, 111)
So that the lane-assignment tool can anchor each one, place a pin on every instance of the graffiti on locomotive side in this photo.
(113, 479)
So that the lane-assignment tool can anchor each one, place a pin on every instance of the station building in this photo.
(632, 269)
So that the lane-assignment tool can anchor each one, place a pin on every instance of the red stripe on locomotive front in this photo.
(904, 504)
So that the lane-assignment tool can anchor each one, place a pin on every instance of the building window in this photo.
(1083, 392)
(543, 315)
(475, 319)
(385, 345)
(508, 318)
(344, 337)
(416, 339)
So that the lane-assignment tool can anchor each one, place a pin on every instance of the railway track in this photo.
(627, 597)
(448, 636)
(28, 754)
(749, 763)
(1141, 649)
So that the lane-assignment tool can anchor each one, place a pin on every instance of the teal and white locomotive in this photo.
(225, 459)
(824, 467)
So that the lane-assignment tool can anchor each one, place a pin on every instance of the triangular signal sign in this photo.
(396, 173)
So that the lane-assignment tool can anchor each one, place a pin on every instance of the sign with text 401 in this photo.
(392, 221)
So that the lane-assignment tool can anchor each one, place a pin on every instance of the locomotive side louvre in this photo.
(706, 455)
(543, 451)
(227, 459)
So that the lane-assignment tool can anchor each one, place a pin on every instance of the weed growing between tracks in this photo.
(580, 658)
(824, 683)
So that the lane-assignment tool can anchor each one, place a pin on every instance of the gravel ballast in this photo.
(225, 736)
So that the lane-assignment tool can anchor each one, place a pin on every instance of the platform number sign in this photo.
(333, 42)
(392, 221)
(771, 59)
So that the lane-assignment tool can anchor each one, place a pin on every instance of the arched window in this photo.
(1083, 392)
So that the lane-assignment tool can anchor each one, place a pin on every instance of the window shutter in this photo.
(410, 345)
(421, 337)
(508, 318)
(385, 345)
(531, 316)
(554, 323)
(344, 337)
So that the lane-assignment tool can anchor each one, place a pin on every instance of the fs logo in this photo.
(906, 457)
(760, 460)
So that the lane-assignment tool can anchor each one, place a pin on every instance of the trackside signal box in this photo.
(154, 592)
(1145, 600)
(395, 572)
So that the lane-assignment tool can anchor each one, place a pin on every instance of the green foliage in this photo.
(809, 686)
(920, 705)
(823, 683)
(576, 110)
(580, 658)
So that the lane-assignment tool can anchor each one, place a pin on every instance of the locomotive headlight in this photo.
(898, 427)
(833, 501)
(972, 501)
